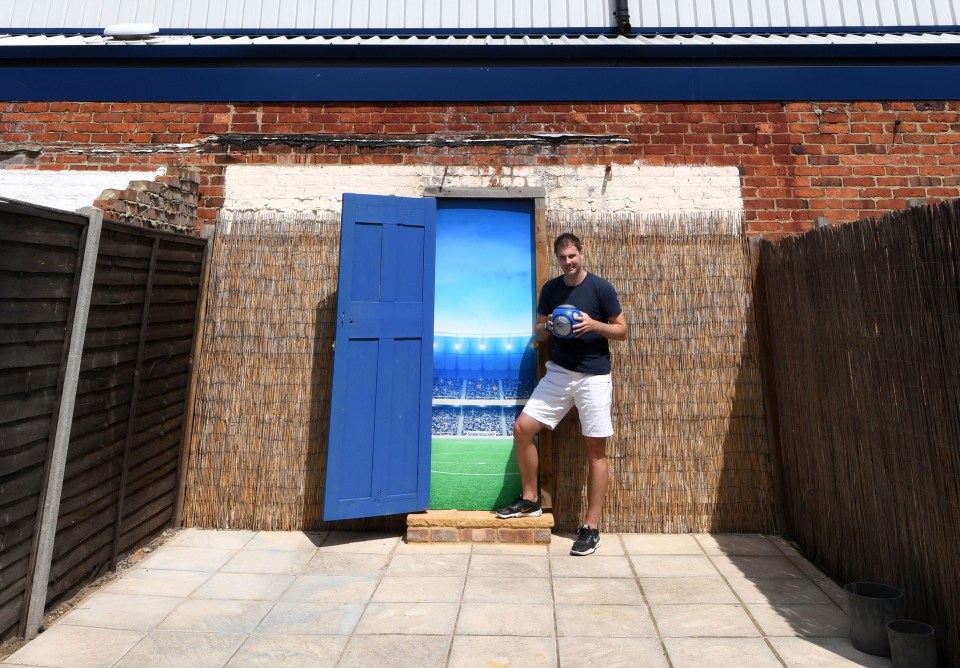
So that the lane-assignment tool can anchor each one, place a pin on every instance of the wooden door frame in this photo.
(542, 269)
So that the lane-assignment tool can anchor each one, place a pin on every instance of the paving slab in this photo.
(777, 590)
(408, 618)
(687, 590)
(755, 545)
(429, 564)
(603, 591)
(360, 565)
(244, 586)
(270, 651)
(580, 652)
(360, 543)
(396, 651)
(76, 646)
(479, 618)
(592, 566)
(703, 620)
(510, 548)
(509, 565)
(604, 621)
(825, 653)
(304, 617)
(213, 538)
(216, 616)
(331, 589)
(173, 557)
(286, 540)
(508, 590)
(660, 543)
(503, 652)
(800, 619)
(756, 568)
(720, 653)
(134, 612)
(673, 566)
(419, 589)
(182, 648)
(241, 598)
(158, 582)
(281, 562)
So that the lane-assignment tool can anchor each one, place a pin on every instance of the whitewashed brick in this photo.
(67, 190)
(636, 188)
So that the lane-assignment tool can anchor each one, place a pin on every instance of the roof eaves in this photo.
(168, 46)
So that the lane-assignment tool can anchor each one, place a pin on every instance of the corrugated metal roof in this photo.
(555, 15)
(493, 41)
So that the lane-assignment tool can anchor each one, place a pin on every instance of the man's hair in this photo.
(567, 239)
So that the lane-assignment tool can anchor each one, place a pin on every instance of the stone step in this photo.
(476, 526)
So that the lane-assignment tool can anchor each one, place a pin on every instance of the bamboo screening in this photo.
(865, 324)
(690, 450)
(258, 446)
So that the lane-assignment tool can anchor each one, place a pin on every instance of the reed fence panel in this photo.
(260, 422)
(690, 454)
(865, 328)
(690, 450)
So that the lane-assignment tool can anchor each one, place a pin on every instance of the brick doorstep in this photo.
(476, 526)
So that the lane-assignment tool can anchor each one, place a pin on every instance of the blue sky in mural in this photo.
(484, 268)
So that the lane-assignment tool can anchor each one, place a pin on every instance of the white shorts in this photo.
(562, 389)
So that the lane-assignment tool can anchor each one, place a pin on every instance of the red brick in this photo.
(478, 535)
(515, 535)
(444, 535)
(418, 535)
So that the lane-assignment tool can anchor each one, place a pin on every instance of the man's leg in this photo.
(596, 478)
(528, 459)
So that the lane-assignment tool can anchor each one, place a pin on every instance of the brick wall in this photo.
(797, 160)
(169, 202)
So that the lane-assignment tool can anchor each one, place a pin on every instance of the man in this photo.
(578, 374)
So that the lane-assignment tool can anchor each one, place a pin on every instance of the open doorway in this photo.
(485, 364)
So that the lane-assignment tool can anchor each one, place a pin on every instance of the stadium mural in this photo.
(484, 359)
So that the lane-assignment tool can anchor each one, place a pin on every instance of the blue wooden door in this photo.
(378, 455)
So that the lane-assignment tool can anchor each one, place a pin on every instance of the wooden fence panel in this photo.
(38, 271)
(120, 485)
(120, 479)
(154, 454)
(865, 327)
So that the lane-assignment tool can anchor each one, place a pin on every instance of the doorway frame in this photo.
(542, 264)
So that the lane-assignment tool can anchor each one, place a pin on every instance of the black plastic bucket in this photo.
(872, 605)
(912, 644)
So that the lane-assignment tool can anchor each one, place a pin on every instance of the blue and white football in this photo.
(563, 320)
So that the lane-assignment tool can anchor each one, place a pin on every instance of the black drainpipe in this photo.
(622, 14)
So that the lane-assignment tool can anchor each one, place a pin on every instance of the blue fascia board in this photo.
(488, 83)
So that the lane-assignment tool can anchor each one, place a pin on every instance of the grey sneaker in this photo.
(521, 508)
(587, 541)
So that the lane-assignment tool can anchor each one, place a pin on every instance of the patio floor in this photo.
(243, 598)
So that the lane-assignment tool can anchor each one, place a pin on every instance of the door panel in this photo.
(378, 456)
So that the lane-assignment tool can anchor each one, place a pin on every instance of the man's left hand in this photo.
(616, 329)
(584, 324)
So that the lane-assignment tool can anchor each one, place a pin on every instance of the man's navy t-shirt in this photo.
(594, 296)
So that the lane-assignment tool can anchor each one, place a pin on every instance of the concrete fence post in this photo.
(58, 458)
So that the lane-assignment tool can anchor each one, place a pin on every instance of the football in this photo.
(564, 320)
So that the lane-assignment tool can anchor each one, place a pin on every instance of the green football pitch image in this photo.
(473, 473)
